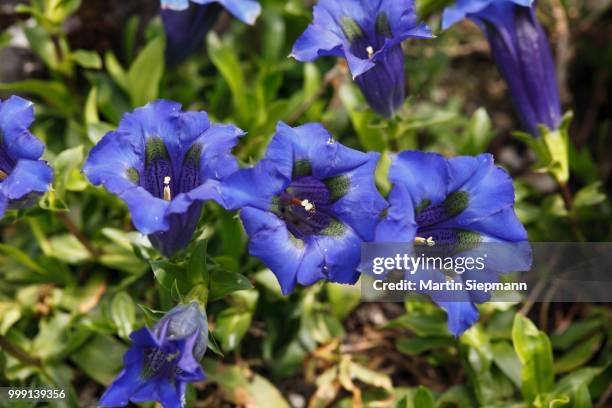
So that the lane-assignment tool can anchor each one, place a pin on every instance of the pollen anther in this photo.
(429, 241)
(3, 175)
(308, 206)
(370, 51)
(167, 192)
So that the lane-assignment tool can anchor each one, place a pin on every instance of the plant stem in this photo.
(568, 200)
(74, 230)
(18, 353)
(336, 72)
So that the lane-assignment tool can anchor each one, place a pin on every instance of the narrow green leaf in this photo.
(87, 59)
(145, 74)
(423, 398)
(123, 314)
(535, 353)
(224, 282)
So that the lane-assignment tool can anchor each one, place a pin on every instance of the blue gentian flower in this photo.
(246, 11)
(162, 361)
(23, 177)
(307, 206)
(186, 23)
(521, 51)
(368, 33)
(459, 203)
(164, 163)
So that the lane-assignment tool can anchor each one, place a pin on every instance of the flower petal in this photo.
(362, 204)
(16, 116)
(424, 175)
(341, 249)
(489, 191)
(272, 243)
(27, 176)
(127, 382)
(399, 225)
(461, 316)
(317, 42)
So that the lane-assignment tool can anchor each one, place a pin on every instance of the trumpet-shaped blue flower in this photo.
(186, 23)
(164, 163)
(521, 51)
(307, 206)
(246, 11)
(368, 33)
(23, 177)
(458, 204)
(162, 361)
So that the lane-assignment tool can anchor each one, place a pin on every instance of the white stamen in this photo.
(167, 192)
(425, 241)
(370, 51)
(308, 206)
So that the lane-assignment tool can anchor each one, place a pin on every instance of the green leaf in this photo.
(22, 258)
(223, 282)
(535, 353)
(582, 398)
(67, 170)
(478, 133)
(166, 273)
(226, 61)
(101, 358)
(579, 355)
(197, 268)
(589, 196)
(575, 332)
(123, 314)
(41, 44)
(573, 381)
(53, 92)
(343, 299)
(243, 388)
(10, 313)
(87, 59)
(116, 71)
(420, 345)
(145, 74)
(68, 248)
(423, 398)
(382, 173)
(370, 377)
(371, 137)
(423, 325)
(231, 325)
(507, 361)
(231, 234)
(56, 11)
(90, 114)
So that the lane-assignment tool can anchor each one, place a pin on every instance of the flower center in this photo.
(158, 362)
(430, 220)
(165, 176)
(7, 164)
(365, 43)
(305, 206)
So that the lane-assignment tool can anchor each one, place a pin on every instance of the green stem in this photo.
(568, 201)
(18, 353)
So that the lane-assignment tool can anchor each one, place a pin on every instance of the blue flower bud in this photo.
(187, 22)
(521, 51)
(182, 322)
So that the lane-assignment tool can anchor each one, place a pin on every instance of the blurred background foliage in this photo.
(76, 279)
